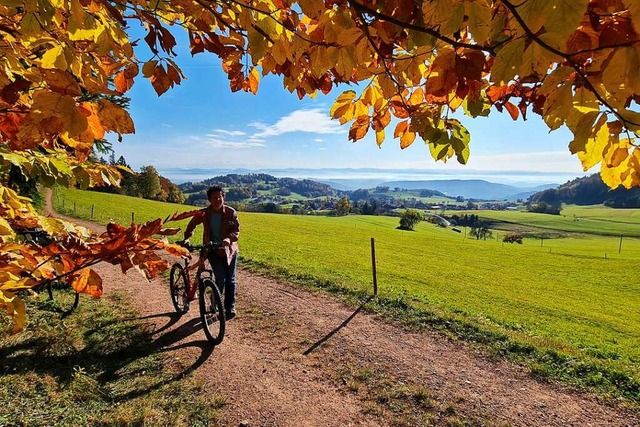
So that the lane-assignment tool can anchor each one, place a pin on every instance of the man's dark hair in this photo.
(213, 189)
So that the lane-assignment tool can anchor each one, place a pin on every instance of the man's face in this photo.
(217, 200)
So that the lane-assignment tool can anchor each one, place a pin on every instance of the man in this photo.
(220, 223)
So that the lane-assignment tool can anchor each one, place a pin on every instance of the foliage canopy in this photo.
(574, 63)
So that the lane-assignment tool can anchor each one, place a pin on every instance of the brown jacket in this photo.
(230, 228)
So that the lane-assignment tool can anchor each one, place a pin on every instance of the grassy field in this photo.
(598, 220)
(98, 367)
(568, 308)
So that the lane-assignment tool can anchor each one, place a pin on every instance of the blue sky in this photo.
(200, 124)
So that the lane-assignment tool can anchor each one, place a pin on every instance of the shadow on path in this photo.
(340, 326)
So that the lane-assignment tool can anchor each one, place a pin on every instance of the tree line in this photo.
(589, 190)
(147, 184)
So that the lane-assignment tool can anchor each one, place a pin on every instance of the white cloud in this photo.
(166, 125)
(213, 141)
(229, 132)
(312, 121)
(318, 140)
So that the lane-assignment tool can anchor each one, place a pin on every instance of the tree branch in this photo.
(569, 60)
(362, 8)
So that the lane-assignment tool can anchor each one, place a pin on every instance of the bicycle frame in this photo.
(193, 281)
(186, 287)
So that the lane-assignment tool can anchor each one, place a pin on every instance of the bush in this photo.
(409, 219)
(513, 238)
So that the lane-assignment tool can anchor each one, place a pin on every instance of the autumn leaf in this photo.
(87, 281)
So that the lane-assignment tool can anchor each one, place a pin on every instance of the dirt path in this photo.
(298, 358)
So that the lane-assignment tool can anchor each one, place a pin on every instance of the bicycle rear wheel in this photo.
(178, 288)
(64, 301)
(211, 311)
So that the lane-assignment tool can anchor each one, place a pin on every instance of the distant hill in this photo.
(254, 185)
(589, 190)
(471, 188)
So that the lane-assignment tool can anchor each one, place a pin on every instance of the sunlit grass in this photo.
(575, 297)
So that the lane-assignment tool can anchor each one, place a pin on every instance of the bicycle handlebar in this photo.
(208, 246)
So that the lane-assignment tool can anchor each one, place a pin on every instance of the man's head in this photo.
(215, 194)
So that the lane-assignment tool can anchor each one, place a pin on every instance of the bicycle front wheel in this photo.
(66, 299)
(211, 311)
(178, 288)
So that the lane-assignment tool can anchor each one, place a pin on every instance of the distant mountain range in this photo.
(467, 188)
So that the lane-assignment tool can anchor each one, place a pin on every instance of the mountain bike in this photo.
(183, 289)
(64, 304)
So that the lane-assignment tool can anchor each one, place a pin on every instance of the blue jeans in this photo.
(225, 278)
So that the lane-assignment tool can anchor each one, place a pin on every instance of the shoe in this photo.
(229, 314)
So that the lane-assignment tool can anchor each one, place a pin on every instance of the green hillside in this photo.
(597, 219)
(564, 307)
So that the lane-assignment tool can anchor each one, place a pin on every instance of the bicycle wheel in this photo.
(211, 311)
(64, 301)
(178, 288)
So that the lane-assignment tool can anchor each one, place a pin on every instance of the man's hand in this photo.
(226, 242)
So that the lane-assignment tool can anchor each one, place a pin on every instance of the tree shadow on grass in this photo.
(116, 353)
(336, 329)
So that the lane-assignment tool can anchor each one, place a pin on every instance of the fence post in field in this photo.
(620, 246)
(373, 266)
(63, 203)
(74, 207)
(132, 217)
(92, 212)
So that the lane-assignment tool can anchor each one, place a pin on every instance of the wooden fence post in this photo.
(132, 217)
(74, 207)
(373, 266)
(620, 246)
(92, 211)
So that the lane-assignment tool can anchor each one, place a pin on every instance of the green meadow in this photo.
(568, 308)
(598, 219)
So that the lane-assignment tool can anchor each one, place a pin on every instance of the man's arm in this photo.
(197, 219)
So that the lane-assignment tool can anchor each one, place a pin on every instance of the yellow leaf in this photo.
(114, 118)
(478, 19)
(5, 228)
(557, 16)
(620, 76)
(407, 139)
(350, 37)
(380, 137)
(342, 103)
(616, 153)
(54, 58)
(507, 62)
(254, 80)
(61, 81)
(15, 309)
(63, 107)
(312, 8)
(446, 15)
(594, 149)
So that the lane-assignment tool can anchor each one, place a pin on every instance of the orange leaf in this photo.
(407, 139)
(512, 109)
(178, 216)
(87, 281)
(359, 128)
(401, 128)
(254, 80)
